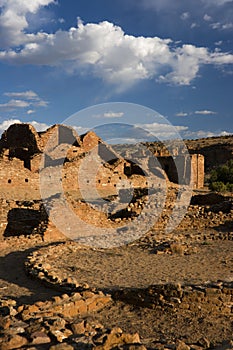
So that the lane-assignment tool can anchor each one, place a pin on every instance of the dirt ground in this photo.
(127, 267)
(14, 283)
(133, 267)
(198, 254)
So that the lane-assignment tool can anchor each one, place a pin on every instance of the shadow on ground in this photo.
(15, 284)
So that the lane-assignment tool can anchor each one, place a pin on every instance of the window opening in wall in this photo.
(26, 180)
(27, 164)
(9, 181)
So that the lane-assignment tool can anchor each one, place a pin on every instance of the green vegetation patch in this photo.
(221, 178)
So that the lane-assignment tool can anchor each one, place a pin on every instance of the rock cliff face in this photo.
(216, 150)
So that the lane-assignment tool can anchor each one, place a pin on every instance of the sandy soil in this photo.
(14, 283)
(135, 267)
(128, 267)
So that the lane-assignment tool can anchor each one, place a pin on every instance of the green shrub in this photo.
(221, 179)
(229, 187)
(218, 186)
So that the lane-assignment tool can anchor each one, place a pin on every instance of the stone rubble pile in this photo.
(63, 323)
(57, 325)
(215, 298)
(201, 223)
(36, 266)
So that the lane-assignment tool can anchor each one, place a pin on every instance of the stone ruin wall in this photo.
(20, 217)
(20, 180)
(17, 182)
(198, 170)
(190, 167)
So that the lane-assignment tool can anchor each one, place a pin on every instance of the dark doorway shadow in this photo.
(25, 222)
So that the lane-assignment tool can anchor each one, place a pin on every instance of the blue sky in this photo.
(173, 56)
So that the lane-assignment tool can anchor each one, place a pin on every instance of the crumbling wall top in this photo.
(21, 136)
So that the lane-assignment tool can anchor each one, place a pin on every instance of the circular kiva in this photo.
(137, 276)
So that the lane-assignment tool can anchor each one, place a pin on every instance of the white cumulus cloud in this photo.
(185, 16)
(39, 126)
(205, 112)
(29, 95)
(193, 25)
(181, 114)
(221, 26)
(30, 111)
(23, 99)
(113, 114)
(13, 19)
(199, 134)
(207, 18)
(41, 103)
(102, 49)
(162, 131)
(227, 26)
(14, 104)
(80, 130)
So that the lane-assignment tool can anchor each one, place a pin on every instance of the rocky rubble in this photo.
(215, 298)
(68, 320)
(58, 322)
(37, 267)
(208, 219)
(44, 326)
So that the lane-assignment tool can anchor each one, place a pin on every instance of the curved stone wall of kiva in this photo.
(214, 297)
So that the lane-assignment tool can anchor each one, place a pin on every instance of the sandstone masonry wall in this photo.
(69, 167)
